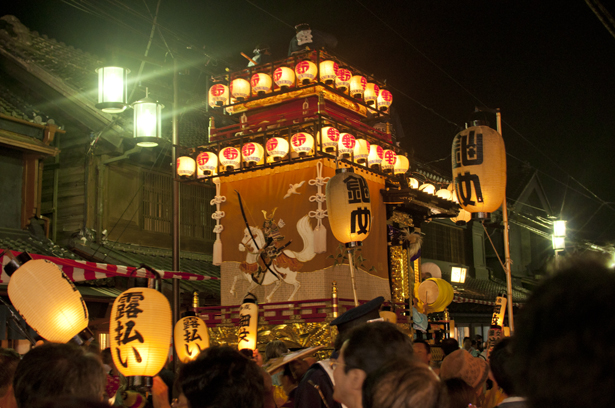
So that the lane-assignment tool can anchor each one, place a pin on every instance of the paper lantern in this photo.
(346, 145)
(444, 194)
(428, 188)
(190, 337)
(112, 89)
(330, 137)
(207, 163)
(358, 84)
(302, 143)
(140, 332)
(261, 84)
(277, 148)
(328, 71)
(375, 156)
(436, 294)
(46, 298)
(389, 158)
(479, 169)
(462, 218)
(248, 324)
(342, 82)
(349, 206)
(147, 122)
(284, 77)
(401, 165)
(384, 101)
(186, 166)
(252, 153)
(371, 93)
(413, 183)
(218, 95)
(306, 72)
(240, 89)
(230, 158)
(361, 151)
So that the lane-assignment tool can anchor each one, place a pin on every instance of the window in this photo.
(443, 242)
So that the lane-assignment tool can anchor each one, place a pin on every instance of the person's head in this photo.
(355, 317)
(221, 377)
(460, 394)
(461, 364)
(288, 379)
(467, 343)
(369, 347)
(9, 359)
(302, 27)
(499, 361)
(404, 384)
(449, 345)
(563, 352)
(422, 351)
(274, 349)
(55, 370)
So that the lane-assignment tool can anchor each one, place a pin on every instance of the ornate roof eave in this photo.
(415, 202)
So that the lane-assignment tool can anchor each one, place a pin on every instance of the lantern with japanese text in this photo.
(330, 138)
(389, 158)
(248, 323)
(47, 299)
(207, 163)
(346, 144)
(230, 158)
(261, 84)
(358, 84)
(384, 101)
(302, 143)
(374, 159)
(328, 71)
(306, 72)
(218, 95)
(361, 151)
(401, 165)
(277, 148)
(371, 93)
(147, 122)
(186, 166)
(342, 82)
(141, 332)
(112, 89)
(190, 337)
(284, 77)
(479, 169)
(240, 89)
(252, 153)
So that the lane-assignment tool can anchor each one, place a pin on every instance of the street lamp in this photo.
(458, 274)
(112, 89)
(147, 122)
(559, 236)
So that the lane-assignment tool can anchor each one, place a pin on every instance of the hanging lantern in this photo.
(346, 145)
(371, 93)
(444, 194)
(428, 188)
(261, 84)
(284, 77)
(240, 89)
(361, 151)
(47, 299)
(306, 72)
(252, 153)
(112, 89)
(384, 101)
(401, 165)
(328, 71)
(358, 84)
(479, 169)
(329, 137)
(413, 183)
(230, 158)
(374, 159)
(248, 324)
(218, 95)
(141, 327)
(389, 158)
(147, 122)
(302, 143)
(462, 218)
(186, 166)
(349, 206)
(277, 148)
(207, 163)
(342, 82)
(190, 337)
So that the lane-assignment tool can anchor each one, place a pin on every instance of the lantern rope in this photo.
(218, 215)
(320, 232)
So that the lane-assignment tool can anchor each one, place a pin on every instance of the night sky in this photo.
(549, 67)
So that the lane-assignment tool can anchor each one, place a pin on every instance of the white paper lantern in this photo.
(413, 183)
(342, 82)
(277, 148)
(375, 156)
(186, 166)
(371, 93)
(401, 165)
(218, 95)
(284, 77)
(261, 84)
(248, 324)
(358, 84)
(328, 71)
(240, 89)
(428, 188)
(252, 153)
(330, 137)
(306, 72)
(385, 99)
(346, 145)
(230, 158)
(389, 158)
(190, 337)
(207, 163)
(302, 143)
(361, 151)
(444, 194)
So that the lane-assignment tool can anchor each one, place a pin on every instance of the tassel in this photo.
(320, 239)
(217, 252)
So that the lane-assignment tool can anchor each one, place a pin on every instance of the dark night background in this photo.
(549, 67)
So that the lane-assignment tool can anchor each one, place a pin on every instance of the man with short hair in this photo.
(422, 351)
(468, 345)
(498, 363)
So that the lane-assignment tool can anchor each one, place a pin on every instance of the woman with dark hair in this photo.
(460, 394)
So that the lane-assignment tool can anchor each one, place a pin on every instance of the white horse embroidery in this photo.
(286, 274)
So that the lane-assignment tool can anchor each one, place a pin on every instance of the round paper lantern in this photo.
(462, 218)
(207, 163)
(112, 89)
(141, 332)
(261, 84)
(218, 95)
(371, 93)
(230, 158)
(361, 151)
(428, 188)
(413, 183)
(306, 72)
(384, 101)
(479, 169)
(248, 324)
(342, 82)
(358, 84)
(436, 294)
(186, 166)
(389, 158)
(252, 153)
(302, 143)
(46, 298)
(401, 165)
(190, 337)
(330, 137)
(346, 144)
(240, 89)
(375, 156)
(284, 77)
(349, 206)
(277, 148)
(444, 194)
(328, 71)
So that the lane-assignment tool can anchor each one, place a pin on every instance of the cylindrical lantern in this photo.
(207, 163)
(361, 151)
(342, 82)
(302, 143)
(371, 93)
(147, 122)
(112, 89)
(306, 72)
(230, 158)
(190, 337)
(252, 153)
(46, 299)
(328, 71)
(141, 327)
(375, 156)
(358, 84)
(479, 169)
(261, 84)
(218, 95)
(248, 324)
(284, 77)
(389, 158)
(346, 145)
(384, 101)
(186, 166)
(330, 137)
(240, 89)
(462, 218)
(277, 148)
(428, 188)
(349, 206)
(401, 165)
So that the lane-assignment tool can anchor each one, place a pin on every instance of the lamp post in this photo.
(558, 239)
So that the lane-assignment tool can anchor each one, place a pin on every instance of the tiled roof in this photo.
(488, 290)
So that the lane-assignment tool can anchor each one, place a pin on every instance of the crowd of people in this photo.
(561, 355)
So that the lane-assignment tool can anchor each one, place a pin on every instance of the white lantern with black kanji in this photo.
(346, 144)
(230, 158)
(240, 89)
(248, 324)
(218, 95)
(112, 89)
(358, 84)
(252, 153)
(306, 72)
(207, 163)
(190, 337)
(342, 82)
(261, 84)
(302, 143)
(330, 137)
(284, 77)
(328, 71)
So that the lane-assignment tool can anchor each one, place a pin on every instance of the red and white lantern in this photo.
(302, 143)
(371, 93)
(261, 84)
(207, 164)
(361, 151)
(240, 89)
(306, 72)
(384, 101)
(328, 71)
(186, 166)
(252, 153)
(218, 95)
(330, 137)
(376, 154)
(346, 145)
(401, 165)
(284, 77)
(277, 148)
(388, 160)
(342, 82)
(230, 158)
(358, 84)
